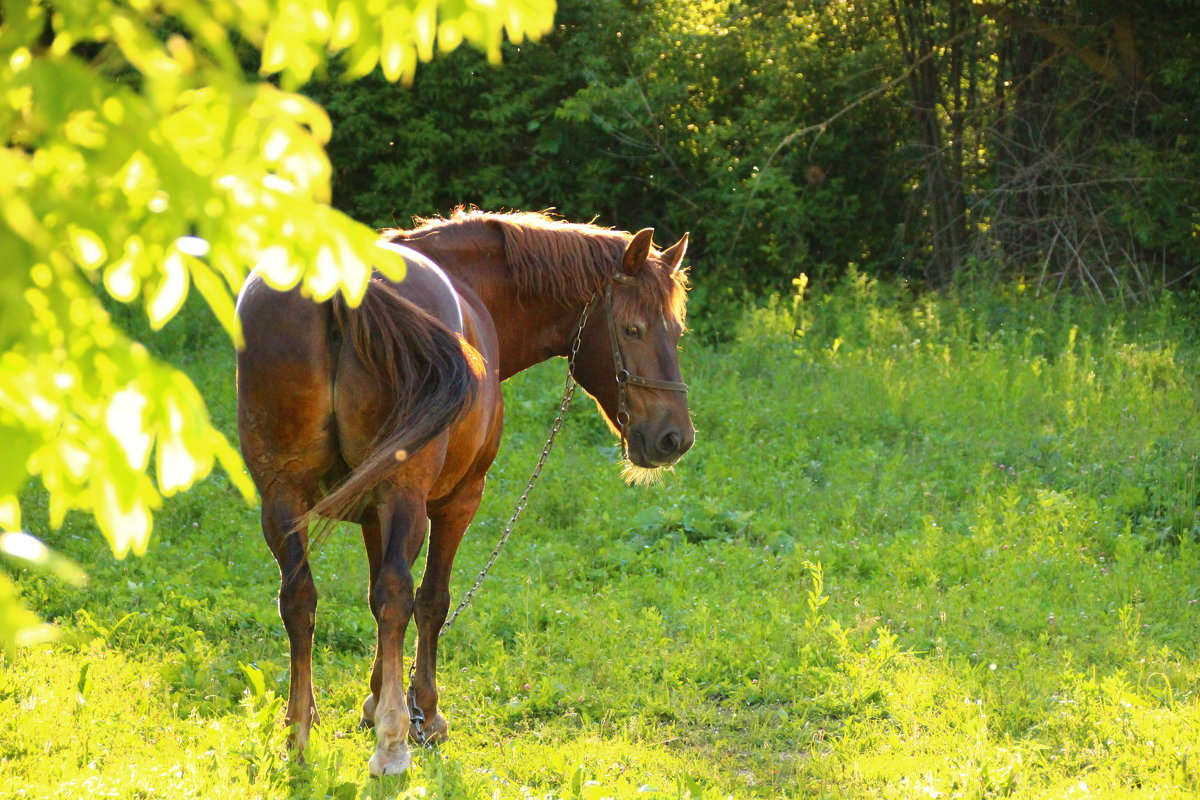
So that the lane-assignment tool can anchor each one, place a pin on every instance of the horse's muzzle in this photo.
(661, 447)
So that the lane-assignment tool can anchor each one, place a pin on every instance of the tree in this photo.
(676, 112)
(141, 160)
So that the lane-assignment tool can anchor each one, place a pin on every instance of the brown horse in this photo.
(396, 404)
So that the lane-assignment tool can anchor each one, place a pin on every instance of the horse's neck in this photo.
(529, 330)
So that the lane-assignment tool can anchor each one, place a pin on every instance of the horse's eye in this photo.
(633, 331)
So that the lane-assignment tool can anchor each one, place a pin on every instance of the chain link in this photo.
(416, 714)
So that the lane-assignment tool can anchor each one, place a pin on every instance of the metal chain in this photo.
(563, 406)
(416, 714)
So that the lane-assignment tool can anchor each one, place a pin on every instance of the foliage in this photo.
(1001, 495)
(672, 113)
(1090, 164)
(915, 138)
(138, 157)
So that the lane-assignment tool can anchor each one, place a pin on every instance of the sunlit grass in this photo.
(926, 548)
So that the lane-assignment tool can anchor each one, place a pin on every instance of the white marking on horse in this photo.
(237, 306)
(413, 257)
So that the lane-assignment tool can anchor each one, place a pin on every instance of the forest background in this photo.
(1047, 142)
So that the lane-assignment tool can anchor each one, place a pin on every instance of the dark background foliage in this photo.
(1052, 141)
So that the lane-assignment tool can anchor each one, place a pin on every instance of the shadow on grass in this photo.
(336, 776)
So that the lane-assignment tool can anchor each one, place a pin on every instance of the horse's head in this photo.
(629, 359)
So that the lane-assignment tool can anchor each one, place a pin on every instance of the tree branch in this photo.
(1056, 36)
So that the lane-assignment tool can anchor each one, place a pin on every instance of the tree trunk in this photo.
(945, 205)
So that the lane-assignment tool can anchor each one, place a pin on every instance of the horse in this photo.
(389, 415)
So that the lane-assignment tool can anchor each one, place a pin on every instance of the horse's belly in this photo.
(473, 441)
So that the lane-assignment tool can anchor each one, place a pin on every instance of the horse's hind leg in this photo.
(373, 542)
(372, 535)
(281, 510)
(402, 523)
(433, 602)
(285, 411)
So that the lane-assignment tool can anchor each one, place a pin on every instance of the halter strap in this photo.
(624, 376)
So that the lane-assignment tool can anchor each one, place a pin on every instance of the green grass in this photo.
(926, 547)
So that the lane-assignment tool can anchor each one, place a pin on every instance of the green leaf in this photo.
(87, 247)
(10, 513)
(83, 683)
(33, 552)
(124, 517)
(216, 293)
(126, 421)
(19, 627)
(172, 290)
(231, 461)
(254, 677)
(648, 517)
(346, 26)
(690, 788)
(156, 165)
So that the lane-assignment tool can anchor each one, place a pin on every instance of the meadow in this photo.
(925, 546)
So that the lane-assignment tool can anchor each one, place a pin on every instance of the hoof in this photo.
(368, 713)
(436, 731)
(298, 732)
(297, 738)
(389, 763)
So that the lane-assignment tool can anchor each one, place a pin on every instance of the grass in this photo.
(925, 547)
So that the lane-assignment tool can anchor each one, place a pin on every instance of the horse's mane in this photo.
(560, 260)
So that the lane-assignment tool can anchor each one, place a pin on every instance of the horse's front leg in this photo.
(433, 603)
(402, 521)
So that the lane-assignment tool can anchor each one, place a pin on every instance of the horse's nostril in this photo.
(668, 443)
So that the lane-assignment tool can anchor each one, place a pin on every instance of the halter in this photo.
(624, 377)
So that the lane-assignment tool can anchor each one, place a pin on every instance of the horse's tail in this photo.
(421, 365)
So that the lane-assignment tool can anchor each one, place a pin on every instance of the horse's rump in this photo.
(423, 367)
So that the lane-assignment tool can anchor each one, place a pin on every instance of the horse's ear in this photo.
(673, 255)
(637, 251)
